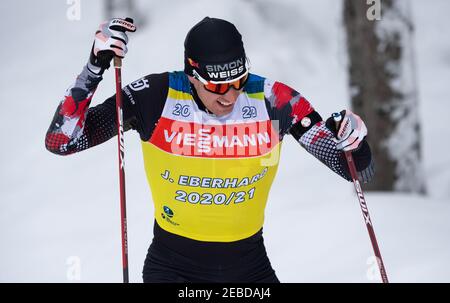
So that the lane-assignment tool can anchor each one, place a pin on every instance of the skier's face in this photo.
(219, 105)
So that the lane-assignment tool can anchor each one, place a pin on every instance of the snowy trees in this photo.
(384, 91)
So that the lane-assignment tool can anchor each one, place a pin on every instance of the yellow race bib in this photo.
(210, 176)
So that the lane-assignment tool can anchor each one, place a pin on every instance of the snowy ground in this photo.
(56, 211)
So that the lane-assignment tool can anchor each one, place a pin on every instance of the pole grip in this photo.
(117, 62)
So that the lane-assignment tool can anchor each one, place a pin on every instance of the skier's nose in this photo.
(232, 94)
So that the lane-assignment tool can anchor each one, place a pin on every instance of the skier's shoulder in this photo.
(144, 98)
(257, 83)
(147, 90)
(148, 82)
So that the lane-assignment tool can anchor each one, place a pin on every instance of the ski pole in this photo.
(121, 152)
(362, 202)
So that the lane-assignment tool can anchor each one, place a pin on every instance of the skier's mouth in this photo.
(225, 103)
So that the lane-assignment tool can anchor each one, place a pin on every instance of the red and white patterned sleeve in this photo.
(295, 115)
(75, 126)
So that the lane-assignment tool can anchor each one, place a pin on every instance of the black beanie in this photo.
(214, 48)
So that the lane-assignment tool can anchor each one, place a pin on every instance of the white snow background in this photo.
(60, 217)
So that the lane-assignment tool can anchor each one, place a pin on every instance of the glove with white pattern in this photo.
(349, 130)
(110, 40)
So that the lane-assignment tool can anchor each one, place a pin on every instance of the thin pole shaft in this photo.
(121, 153)
(365, 211)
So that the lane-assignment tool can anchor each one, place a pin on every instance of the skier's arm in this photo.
(319, 139)
(296, 116)
(75, 126)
